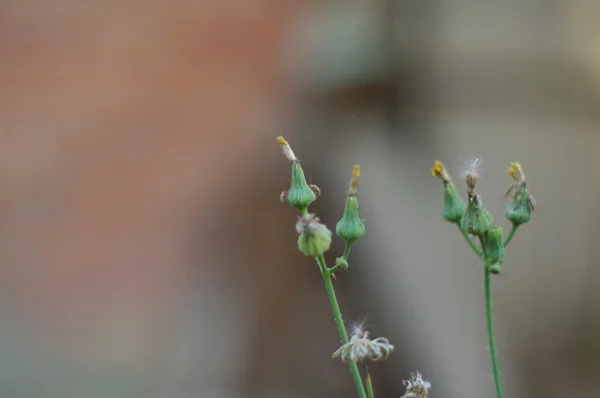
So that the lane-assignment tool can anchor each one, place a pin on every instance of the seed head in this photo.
(471, 174)
(416, 387)
(360, 347)
(315, 238)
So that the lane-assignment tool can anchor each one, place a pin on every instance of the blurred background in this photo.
(144, 251)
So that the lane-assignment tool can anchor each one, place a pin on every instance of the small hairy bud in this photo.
(315, 238)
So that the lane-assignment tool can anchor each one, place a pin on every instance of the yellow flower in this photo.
(516, 171)
(438, 170)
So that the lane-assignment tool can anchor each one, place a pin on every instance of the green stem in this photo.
(489, 317)
(470, 242)
(340, 323)
(511, 234)
(347, 250)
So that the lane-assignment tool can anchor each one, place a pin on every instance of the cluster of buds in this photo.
(474, 219)
(314, 238)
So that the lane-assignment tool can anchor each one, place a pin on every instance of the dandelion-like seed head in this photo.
(438, 170)
(286, 149)
(416, 387)
(309, 224)
(360, 347)
(471, 174)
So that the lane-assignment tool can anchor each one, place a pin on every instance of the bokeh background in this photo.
(144, 251)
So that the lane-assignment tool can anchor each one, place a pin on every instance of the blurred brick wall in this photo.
(120, 122)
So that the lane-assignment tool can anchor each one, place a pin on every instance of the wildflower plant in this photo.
(314, 240)
(476, 223)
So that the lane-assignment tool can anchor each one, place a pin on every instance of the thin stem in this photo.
(470, 242)
(492, 338)
(370, 393)
(489, 317)
(337, 314)
(511, 234)
(347, 250)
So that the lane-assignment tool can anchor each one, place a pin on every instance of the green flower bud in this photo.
(494, 248)
(300, 194)
(476, 220)
(315, 238)
(350, 227)
(519, 211)
(454, 206)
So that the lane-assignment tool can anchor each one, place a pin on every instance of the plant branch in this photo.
(511, 234)
(470, 242)
(340, 323)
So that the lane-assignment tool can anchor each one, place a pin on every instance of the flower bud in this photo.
(315, 238)
(494, 248)
(519, 211)
(351, 227)
(300, 194)
(476, 220)
(454, 206)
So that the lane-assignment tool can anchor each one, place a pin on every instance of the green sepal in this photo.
(454, 206)
(519, 211)
(350, 227)
(476, 220)
(300, 195)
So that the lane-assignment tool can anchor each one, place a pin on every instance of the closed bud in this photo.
(300, 194)
(351, 227)
(519, 211)
(315, 238)
(476, 220)
(454, 206)
(494, 248)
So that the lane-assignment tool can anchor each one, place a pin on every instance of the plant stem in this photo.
(511, 234)
(470, 242)
(492, 339)
(347, 250)
(489, 317)
(340, 323)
